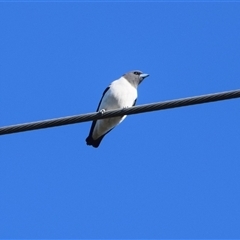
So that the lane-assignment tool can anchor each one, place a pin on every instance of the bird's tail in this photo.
(95, 143)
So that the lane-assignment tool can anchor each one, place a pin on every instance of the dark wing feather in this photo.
(102, 98)
(134, 102)
(89, 139)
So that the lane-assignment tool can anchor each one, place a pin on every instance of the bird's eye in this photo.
(137, 73)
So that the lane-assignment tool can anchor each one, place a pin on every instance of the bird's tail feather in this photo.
(95, 143)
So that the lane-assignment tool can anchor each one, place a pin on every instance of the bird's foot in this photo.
(102, 111)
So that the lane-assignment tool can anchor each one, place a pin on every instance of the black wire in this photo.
(114, 113)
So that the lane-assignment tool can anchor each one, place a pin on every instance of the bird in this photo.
(120, 94)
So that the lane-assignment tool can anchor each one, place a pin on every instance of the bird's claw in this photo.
(102, 111)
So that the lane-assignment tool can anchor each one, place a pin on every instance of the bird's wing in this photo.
(89, 138)
(102, 98)
(134, 103)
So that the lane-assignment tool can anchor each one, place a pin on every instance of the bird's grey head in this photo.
(135, 77)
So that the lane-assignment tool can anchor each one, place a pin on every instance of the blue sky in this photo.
(165, 174)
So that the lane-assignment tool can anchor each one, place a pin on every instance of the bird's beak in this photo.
(144, 75)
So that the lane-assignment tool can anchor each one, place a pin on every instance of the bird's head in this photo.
(135, 77)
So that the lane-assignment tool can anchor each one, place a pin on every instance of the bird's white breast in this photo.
(121, 94)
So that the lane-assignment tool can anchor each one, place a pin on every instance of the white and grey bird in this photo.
(121, 93)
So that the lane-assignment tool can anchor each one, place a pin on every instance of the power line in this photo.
(115, 113)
